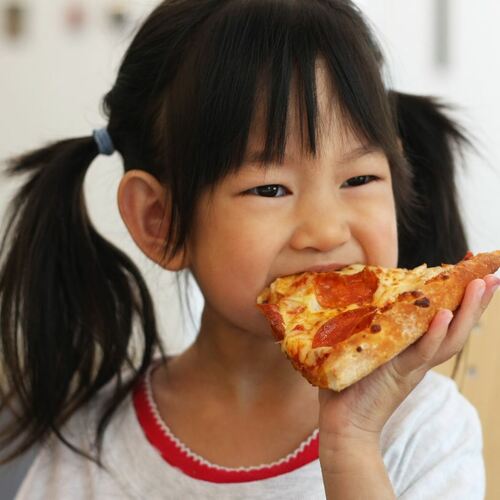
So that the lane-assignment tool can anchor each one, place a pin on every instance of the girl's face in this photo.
(259, 224)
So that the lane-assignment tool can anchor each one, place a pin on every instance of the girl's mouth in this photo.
(325, 268)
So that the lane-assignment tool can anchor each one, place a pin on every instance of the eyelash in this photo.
(372, 178)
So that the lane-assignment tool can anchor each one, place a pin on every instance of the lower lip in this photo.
(326, 269)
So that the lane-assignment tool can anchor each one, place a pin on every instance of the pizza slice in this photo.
(337, 327)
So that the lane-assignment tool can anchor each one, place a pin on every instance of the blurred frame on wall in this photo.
(14, 20)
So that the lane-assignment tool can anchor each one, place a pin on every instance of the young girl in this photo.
(258, 140)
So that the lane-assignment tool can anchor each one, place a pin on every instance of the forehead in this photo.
(334, 130)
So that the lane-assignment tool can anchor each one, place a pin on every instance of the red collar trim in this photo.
(178, 455)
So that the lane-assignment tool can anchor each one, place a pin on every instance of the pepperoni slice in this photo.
(468, 255)
(272, 313)
(340, 290)
(344, 325)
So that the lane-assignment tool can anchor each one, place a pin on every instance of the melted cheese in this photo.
(296, 299)
(394, 282)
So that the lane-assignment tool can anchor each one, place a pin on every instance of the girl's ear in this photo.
(144, 207)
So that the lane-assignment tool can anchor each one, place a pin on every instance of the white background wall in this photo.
(471, 82)
(52, 81)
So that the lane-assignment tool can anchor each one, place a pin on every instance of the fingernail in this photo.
(447, 315)
(495, 283)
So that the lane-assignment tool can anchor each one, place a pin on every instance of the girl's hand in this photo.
(350, 422)
(364, 407)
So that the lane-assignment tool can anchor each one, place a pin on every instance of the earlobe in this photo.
(144, 207)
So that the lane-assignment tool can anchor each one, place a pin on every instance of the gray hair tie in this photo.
(103, 141)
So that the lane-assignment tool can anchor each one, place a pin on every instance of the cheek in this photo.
(244, 248)
(389, 235)
(232, 258)
(230, 280)
(377, 230)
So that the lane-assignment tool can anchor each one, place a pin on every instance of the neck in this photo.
(242, 368)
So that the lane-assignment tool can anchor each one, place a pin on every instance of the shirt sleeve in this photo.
(59, 473)
(434, 444)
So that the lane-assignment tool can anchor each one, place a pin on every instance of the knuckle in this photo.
(395, 370)
(407, 379)
(425, 357)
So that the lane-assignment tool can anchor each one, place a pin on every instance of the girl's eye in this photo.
(277, 190)
(360, 180)
(268, 191)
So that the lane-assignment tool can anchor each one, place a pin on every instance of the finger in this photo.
(445, 339)
(422, 352)
(492, 284)
(476, 299)
(466, 317)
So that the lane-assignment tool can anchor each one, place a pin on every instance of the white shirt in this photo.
(431, 445)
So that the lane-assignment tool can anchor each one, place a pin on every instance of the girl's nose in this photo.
(321, 226)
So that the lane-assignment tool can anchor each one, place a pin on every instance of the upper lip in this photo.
(325, 268)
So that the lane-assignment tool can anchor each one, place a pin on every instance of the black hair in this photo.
(181, 109)
(432, 143)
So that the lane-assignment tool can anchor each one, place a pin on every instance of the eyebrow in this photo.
(359, 152)
(354, 154)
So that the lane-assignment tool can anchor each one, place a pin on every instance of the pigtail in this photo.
(431, 141)
(67, 298)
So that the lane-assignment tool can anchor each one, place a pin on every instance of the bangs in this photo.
(244, 65)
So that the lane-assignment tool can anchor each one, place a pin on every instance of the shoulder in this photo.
(433, 438)
(58, 472)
